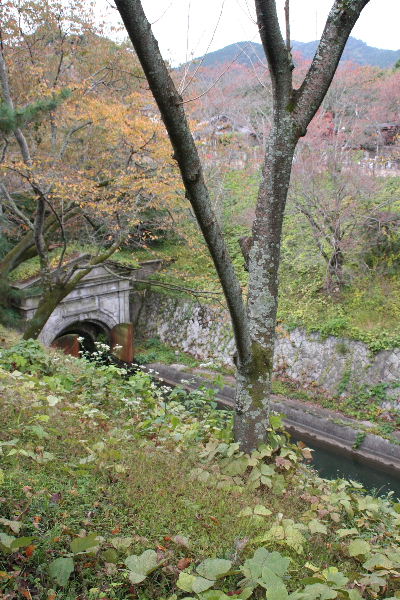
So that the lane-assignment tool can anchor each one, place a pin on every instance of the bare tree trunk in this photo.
(293, 110)
(334, 278)
(48, 302)
(253, 386)
(18, 253)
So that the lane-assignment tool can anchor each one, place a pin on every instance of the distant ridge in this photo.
(356, 51)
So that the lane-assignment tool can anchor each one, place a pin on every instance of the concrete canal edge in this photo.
(311, 423)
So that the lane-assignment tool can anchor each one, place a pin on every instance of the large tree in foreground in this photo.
(293, 109)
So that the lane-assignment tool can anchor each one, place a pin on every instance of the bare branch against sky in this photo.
(377, 26)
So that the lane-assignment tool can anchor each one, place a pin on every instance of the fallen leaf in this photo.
(116, 529)
(307, 453)
(183, 563)
(15, 526)
(29, 550)
(215, 520)
(283, 462)
(180, 540)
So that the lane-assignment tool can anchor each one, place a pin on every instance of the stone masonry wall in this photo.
(333, 364)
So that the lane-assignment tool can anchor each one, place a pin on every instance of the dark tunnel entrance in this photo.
(82, 336)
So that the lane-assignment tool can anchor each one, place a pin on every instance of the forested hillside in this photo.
(356, 51)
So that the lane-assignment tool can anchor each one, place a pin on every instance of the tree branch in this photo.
(279, 59)
(19, 136)
(186, 155)
(14, 208)
(340, 22)
(287, 23)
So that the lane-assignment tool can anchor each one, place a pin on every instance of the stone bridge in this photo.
(98, 306)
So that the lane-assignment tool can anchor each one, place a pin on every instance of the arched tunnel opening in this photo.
(82, 336)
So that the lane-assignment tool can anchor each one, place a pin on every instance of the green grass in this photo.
(88, 451)
(153, 350)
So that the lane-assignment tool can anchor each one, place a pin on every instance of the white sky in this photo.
(378, 25)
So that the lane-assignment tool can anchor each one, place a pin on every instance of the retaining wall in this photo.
(337, 365)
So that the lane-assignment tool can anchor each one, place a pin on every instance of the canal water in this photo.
(331, 465)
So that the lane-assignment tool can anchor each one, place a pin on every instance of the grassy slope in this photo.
(85, 452)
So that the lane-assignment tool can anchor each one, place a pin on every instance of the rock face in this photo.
(337, 365)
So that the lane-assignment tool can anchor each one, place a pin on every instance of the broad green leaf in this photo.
(2, 479)
(334, 577)
(253, 567)
(121, 543)
(110, 556)
(266, 481)
(142, 565)
(288, 533)
(255, 474)
(316, 526)
(262, 510)
(354, 595)
(60, 570)
(214, 595)
(38, 431)
(276, 589)
(236, 466)
(277, 563)
(276, 421)
(378, 561)
(201, 584)
(6, 541)
(213, 568)
(318, 591)
(278, 485)
(262, 559)
(191, 583)
(345, 532)
(359, 548)
(21, 542)
(84, 543)
(267, 470)
(185, 581)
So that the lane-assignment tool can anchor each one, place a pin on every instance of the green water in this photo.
(331, 465)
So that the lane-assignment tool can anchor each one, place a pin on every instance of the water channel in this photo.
(331, 465)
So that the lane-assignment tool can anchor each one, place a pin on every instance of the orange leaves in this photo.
(29, 550)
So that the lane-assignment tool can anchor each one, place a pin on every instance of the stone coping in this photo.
(325, 428)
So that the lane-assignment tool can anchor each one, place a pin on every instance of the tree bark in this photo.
(293, 110)
(185, 152)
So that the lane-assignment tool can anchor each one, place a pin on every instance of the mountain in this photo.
(356, 51)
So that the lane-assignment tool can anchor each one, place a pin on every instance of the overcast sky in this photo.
(378, 25)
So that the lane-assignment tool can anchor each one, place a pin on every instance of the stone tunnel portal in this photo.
(89, 332)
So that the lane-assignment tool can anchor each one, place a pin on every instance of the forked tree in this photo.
(253, 320)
